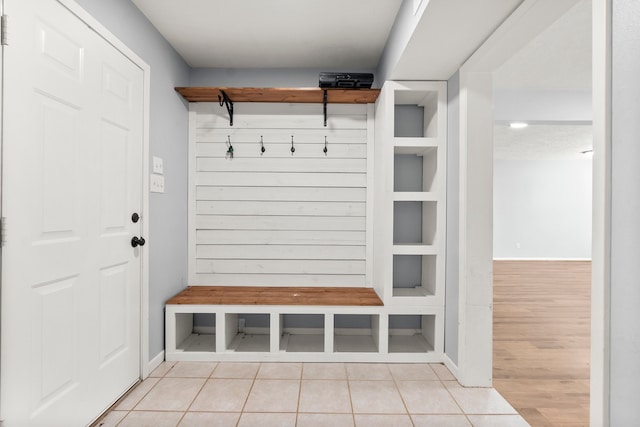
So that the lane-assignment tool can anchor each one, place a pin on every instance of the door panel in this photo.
(72, 154)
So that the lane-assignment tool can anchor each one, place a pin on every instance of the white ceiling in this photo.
(333, 34)
(447, 35)
(557, 59)
(537, 142)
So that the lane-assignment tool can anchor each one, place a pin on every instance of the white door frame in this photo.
(601, 246)
(476, 189)
(144, 289)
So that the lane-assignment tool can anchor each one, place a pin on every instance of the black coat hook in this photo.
(229, 154)
(293, 150)
(262, 149)
(325, 149)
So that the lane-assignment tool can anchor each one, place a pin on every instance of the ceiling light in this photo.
(518, 125)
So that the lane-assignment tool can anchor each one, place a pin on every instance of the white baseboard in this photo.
(542, 259)
(155, 362)
(453, 368)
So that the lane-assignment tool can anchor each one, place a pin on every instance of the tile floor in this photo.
(197, 394)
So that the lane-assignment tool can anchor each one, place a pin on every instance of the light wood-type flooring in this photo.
(541, 339)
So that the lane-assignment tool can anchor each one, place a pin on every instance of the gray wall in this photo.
(167, 240)
(542, 208)
(261, 77)
(625, 215)
(451, 305)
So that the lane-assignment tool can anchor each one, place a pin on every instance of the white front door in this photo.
(72, 179)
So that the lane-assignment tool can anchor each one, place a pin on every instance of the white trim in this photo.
(101, 30)
(475, 340)
(542, 259)
(191, 194)
(452, 367)
(370, 194)
(156, 361)
(1, 163)
(599, 411)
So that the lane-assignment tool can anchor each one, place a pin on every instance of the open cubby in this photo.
(414, 222)
(247, 332)
(415, 113)
(415, 170)
(302, 332)
(414, 275)
(411, 333)
(356, 333)
(195, 332)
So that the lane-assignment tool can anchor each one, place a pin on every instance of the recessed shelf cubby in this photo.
(415, 113)
(356, 333)
(414, 222)
(195, 332)
(414, 275)
(247, 332)
(409, 333)
(302, 332)
(415, 170)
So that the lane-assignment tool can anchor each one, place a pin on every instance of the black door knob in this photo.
(137, 241)
(135, 218)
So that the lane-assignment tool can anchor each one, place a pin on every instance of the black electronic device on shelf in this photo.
(345, 80)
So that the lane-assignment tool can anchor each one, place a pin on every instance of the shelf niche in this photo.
(301, 333)
(356, 333)
(414, 222)
(195, 332)
(415, 113)
(410, 333)
(414, 275)
(255, 337)
(415, 170)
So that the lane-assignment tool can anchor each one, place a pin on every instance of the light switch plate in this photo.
(158, 165)
(156, 183)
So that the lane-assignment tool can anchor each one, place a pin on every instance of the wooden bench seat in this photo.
(273, 295)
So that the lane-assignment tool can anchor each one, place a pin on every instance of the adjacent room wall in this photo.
(542, 209)
(167, 241)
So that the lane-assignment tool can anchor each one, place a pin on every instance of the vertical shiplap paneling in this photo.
(279, 218)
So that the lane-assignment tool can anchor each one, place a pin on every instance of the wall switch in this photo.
(158, 165)
(156, 183)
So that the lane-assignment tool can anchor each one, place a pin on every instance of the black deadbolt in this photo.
(135, 217)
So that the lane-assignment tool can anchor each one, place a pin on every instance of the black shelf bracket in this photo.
(226, 101)
(324, 104)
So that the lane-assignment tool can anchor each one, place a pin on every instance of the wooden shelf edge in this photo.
(287, 95)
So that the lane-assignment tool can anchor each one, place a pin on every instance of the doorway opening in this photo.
(542, 223)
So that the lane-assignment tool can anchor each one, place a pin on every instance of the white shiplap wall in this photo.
(279, 218)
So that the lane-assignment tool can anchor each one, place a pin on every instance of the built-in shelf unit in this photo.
(404, 208)
(410, 202)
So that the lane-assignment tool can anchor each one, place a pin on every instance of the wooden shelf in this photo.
(292, 95)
